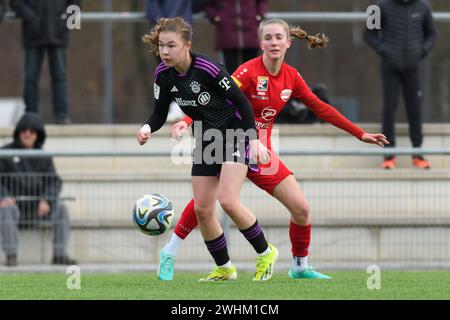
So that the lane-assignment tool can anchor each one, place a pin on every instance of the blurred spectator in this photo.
(29, 193)
(406, 36)
(155, 9)
(198, 6)
(236, 25)
(2, 10)
(44, 29)
(296, 111)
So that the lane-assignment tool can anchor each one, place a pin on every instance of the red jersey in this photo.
(268, 94)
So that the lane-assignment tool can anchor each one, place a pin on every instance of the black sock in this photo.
(218, 249)
(255, 236)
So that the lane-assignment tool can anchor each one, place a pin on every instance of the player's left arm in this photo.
(329, 114)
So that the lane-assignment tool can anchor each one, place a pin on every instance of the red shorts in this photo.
(268, 176)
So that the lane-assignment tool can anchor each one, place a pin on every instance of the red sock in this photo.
(300, 238)
(188, 221)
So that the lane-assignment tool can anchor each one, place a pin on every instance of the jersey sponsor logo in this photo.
(225, 83)
(262, 84)
(195, 86)
(174, 89)
(185, 103)
(262, 125)
(204, 98)
(259, 97)
(268, 113)
(285, 94)
(156, 91)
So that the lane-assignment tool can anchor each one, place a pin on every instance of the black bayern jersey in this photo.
(206, 92)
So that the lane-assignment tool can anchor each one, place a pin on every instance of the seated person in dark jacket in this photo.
(29, 193)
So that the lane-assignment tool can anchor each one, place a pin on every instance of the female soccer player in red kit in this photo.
(269, 83)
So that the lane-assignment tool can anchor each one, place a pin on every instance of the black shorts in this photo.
(208, 156)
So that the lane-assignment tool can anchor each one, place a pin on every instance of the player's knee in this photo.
(301, 211)
(204, 213)
(228, 202)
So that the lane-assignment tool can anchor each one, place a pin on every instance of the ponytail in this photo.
(317, 41)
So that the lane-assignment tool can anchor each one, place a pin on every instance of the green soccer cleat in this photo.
(166, 266)
(264, 265)
(308, 273)
(221, 274)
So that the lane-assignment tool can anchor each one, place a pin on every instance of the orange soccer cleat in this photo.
(420, 162)
(389, 163)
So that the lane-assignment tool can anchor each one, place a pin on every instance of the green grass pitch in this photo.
(344, 285)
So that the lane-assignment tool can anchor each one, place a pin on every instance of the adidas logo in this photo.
(174, 89)
(237, 154)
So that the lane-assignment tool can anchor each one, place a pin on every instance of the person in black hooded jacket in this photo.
(29, 192)
(406, 37)
(44, 30)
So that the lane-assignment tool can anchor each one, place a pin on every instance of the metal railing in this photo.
(293, 16)
(5, 153)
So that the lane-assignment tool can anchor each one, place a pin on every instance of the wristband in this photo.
(146, 128)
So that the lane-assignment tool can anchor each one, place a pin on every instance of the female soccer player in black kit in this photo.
(206, 93)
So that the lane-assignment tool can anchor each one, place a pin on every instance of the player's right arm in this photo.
(162, 100)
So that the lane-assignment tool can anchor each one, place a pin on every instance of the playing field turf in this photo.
(344, 285)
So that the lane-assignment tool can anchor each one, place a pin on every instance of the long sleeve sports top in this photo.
(206, 92)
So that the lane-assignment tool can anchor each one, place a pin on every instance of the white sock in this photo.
(174, 243)
(299, 263)
(226, 265)
(268, 250)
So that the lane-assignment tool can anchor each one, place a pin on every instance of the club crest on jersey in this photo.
(268, 113)
(285, 94)
(262, 84)
(195, 86)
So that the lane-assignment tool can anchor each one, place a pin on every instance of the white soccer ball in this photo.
(153, 214)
